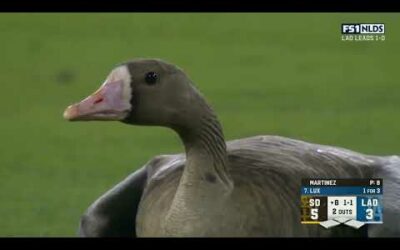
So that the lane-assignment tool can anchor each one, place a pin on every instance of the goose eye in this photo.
(151, 77)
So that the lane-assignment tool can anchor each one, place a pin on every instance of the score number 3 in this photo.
(369, 214)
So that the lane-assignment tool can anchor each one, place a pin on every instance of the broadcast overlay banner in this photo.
(331, 202)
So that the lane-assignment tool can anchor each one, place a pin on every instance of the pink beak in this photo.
(107, 103)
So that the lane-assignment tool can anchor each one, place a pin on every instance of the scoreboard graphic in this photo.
(331, 202)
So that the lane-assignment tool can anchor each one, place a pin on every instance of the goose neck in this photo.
(205, 149)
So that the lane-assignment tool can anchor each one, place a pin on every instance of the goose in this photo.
(247, 187)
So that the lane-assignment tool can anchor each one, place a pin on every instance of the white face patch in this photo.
(121, 75)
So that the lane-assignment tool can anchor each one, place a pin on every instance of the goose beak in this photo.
(106, 104)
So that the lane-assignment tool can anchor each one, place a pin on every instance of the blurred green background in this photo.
(282, 74)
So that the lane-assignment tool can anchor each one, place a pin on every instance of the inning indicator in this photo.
(331, 202)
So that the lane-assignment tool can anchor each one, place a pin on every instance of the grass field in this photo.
(282, 74)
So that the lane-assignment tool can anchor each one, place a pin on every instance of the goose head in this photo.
(141, 92)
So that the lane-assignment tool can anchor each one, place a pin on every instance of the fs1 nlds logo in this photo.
(363, 32)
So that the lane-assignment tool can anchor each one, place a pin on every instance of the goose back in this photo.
(267, 173)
